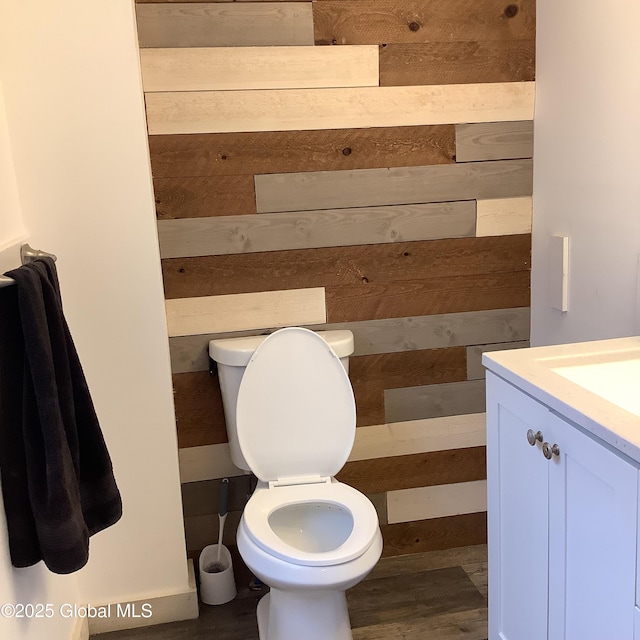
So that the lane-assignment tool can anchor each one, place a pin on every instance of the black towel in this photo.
(57, 479)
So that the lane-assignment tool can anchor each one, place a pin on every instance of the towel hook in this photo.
(27, 254)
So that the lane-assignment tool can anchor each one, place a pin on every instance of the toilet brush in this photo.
(223, 500)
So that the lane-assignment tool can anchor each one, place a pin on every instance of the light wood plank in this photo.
(457, 62)
(475, 369)
(232, 68)
(202, 24)
(327, 228)
(504, 216)
(375, 187)
(297, 109)
(212, 154)
(190, 353)
(419, 436)
(415, 21)
(209, 314)
(439, 501)
(431, 401)
(494, 141)
(208, 462)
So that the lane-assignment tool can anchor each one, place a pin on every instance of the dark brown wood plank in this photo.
(199, 411)
(209, 1)
(352, 303)
(218, 154)
(371, 375)
(457, 62)
(415, 470)
(437, 533)
(365, 269)
(199, 197)
(201, 498)
(405, 21)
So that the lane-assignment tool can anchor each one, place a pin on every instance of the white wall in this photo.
(74, 109)
(587, 166)
(34, 583)
(11, 225)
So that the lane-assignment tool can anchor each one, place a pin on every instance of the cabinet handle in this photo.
(550, 450)
(532, 437)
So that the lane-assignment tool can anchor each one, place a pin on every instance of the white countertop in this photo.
(594, 384)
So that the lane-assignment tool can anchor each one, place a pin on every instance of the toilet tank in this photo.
(232, 356)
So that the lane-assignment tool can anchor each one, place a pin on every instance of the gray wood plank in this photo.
(478, 573)
(227, 24)
(379, 501)
(494, 141)
(220, 235)
(434, 400)
(410, 596)
(475, 368)
(471, 624)
(400, 185)
(189, 353)
(427, 560)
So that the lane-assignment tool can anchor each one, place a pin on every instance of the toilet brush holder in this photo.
(217, 582)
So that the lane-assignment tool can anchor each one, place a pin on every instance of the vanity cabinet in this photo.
(562, 525)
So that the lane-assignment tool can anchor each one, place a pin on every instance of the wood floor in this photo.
(439, 595)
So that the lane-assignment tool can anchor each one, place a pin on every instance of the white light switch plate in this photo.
(558, 261)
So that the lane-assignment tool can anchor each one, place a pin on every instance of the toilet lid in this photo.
(295, 413)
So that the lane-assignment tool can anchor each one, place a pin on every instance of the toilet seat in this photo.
(295, 412)
(264, 502)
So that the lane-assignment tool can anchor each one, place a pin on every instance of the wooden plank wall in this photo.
(382, 184)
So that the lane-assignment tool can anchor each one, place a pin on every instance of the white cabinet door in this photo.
(593, 497)
(562, 531)
(518, 476)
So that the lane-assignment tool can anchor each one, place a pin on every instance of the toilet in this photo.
(291, 420)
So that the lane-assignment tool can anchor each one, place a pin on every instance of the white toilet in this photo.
(291, 420)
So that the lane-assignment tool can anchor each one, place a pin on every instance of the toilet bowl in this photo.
(305, 535)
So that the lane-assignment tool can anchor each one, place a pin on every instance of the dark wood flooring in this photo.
(440, 595)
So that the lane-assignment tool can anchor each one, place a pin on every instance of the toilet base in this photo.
(312, 615)
(263, 616)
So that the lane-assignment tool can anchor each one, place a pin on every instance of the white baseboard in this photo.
(150, 611)
(80, 629)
